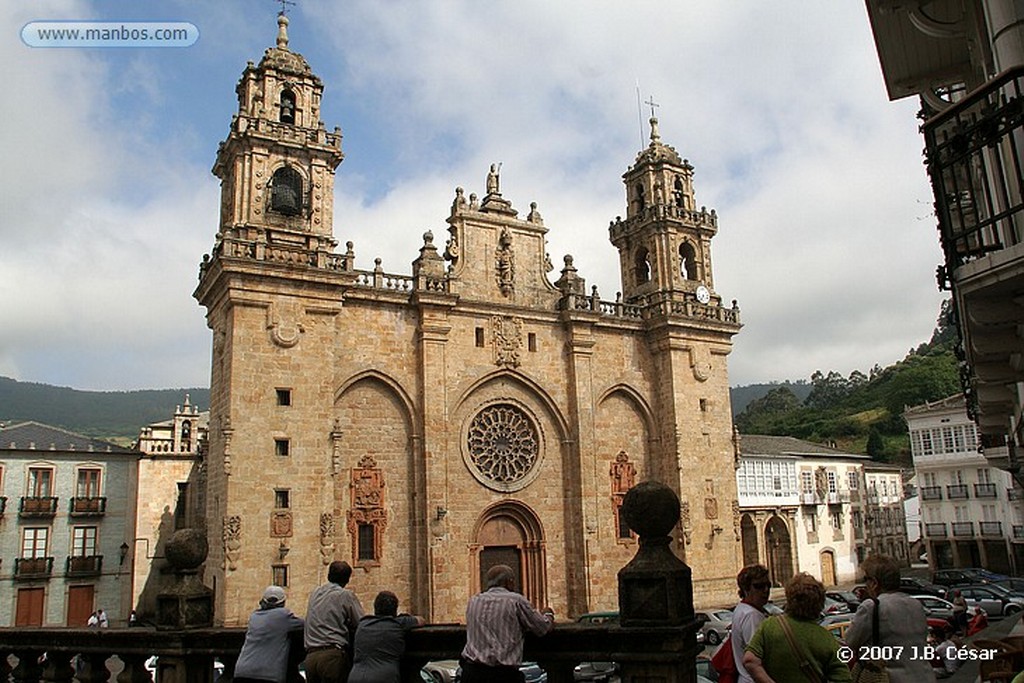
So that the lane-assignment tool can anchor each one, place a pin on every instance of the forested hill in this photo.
(110, 415)
(860, 413)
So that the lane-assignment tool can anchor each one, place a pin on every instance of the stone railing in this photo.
(651, 306)
(59, 655)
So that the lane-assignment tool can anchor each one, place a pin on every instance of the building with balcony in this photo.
(170, 495)
(65, 527)
(969, 511)
(965, 61)
(808, 507)
(883, 512)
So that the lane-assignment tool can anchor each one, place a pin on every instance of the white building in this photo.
(67, 514)
(807, 507)
(968, 519)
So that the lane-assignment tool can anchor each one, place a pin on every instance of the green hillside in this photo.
(861, 413)
(110, 415)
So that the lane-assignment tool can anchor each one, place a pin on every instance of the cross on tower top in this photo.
(284, 6)
(650, 101)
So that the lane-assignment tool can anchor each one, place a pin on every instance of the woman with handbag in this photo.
(792, 647)
(893, 621)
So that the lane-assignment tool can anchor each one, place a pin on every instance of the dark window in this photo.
(480, 337)
(687, 261)
(623, 530)
(284, 397)
(287, 106)
(286, 192)
(282, 499)
(281, 446)
(642, 270)
(181, 507)
(280, 575)
(366, 552)
(186, 436)
(531, 341)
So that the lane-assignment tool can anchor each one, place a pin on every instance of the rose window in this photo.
(503, 445)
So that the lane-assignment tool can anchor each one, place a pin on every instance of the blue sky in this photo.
(825, 234)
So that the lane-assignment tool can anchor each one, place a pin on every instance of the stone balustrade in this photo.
(120, 654)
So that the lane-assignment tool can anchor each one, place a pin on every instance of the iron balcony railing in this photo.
(957, 492)
(931, 493)
(985, 491)
(935, 530)
(95, 506)
(962, 529)
(33, 567)
(38, 506)
(84, 565)
(990, 528)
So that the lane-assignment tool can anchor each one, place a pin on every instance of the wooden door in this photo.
(80, 605)
(492, 555)
(29, 611)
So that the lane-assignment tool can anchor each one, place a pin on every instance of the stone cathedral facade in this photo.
(486, 408)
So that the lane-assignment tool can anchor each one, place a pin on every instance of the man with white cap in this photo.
(264, 655)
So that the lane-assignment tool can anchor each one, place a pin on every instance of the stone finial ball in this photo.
(187, 548)
(651, 509)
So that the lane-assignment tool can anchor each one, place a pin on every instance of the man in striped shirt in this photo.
(496, 622)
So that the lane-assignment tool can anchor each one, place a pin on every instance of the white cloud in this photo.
(780, 107)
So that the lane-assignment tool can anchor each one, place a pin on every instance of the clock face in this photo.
(703, 295)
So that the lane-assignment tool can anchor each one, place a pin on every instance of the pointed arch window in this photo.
(286, 192)
(688, 261)
(287, 106)
(642, 269)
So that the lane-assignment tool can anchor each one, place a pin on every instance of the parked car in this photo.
(965, 576)
(440, 671)
(532, 673)
(995, 600)
(847, 597)
(705, 669)
(714, 624)
(939, 608)
(597, 671)
(834, 607)
(915, 586)
(1011, 584)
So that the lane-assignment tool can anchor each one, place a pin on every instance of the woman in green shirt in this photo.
(807, 653)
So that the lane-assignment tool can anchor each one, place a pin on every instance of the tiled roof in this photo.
(761, 444)
(33, 436)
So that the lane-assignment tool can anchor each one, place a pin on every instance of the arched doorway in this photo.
(828, 567)
(510, 533)
(780, 554)
(748, 534)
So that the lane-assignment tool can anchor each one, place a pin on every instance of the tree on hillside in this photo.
(778, 401)
(827, 390)
(922, 379)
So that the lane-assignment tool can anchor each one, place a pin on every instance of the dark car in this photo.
(532, 673)
(597, 671)
(966, 575)
(912, 585)
(847, 597)
(1011, 584)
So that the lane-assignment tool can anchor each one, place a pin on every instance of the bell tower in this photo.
(664, 242)
(277, 164)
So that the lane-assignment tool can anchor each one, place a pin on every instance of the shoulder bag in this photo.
(724, 664)
(806, 667)
(867, 671)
